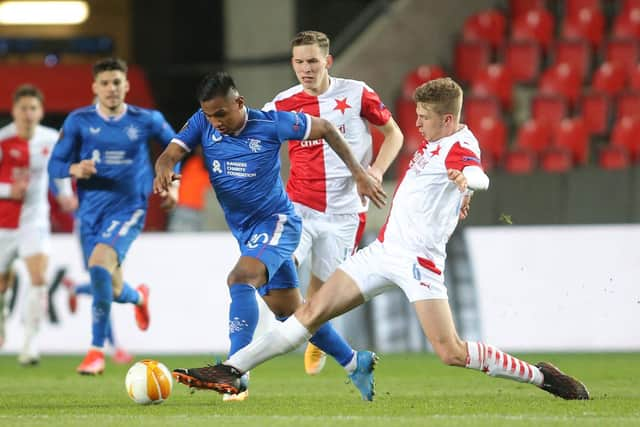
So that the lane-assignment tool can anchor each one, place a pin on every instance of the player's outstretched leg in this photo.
(102, 290)
(34, 313)
(140, 298)
(220, 378)
(494, 362)
(362, 376)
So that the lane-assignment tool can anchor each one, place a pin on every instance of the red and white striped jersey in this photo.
(318, 178)
(426, 204)
(35, 210)
(14, 160)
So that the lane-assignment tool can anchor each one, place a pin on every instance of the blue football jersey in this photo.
(244, 169)
(119, 148)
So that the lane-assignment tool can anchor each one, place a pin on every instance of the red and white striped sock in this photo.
(494, 362)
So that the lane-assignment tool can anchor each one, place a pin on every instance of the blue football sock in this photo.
(101, 307)
(110, 332)
(243, 316)
(128, 295)
(331, 342)
(85, 288)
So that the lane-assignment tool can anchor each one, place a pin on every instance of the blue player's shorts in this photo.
(273, 241)
(117, 230)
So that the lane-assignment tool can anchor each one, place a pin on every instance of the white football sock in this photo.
(494, 362)
(33, 315)
(279, 339)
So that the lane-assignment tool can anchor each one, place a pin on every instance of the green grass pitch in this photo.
(412, 390)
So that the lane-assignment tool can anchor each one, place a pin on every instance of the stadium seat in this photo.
(492, 136)
(469, 58)
(622, 52)
(634, 78)
(587, 23)
(595, 108)
(519, 161)
(477, 107)
(548, 109)
(536, 25)
(418, 76)
(627, 23)
(494, 80)
(561, 79)
(572, 7)
(405, 114)
(556, 160)
(609, 78)
(520, 7)
(628, 105)
(523, 59)
(576, 53)
(533, 136)
(625, 134)
(489, 26)
(572, 134)
(613, 157)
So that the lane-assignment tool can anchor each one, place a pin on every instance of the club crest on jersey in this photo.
(255, 144)
(133, 133)
(341, 104)
(215, 167)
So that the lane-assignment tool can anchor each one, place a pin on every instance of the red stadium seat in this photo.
(556, 160)
(609, 78)
(561, 79)
(613, 157)
(595, 108)
(533, 136)
(489, 26)
(634, 78)
(629, 4)
(405, 114)
(548, 109)
(494, 80)
(520, 7)
(523, 59)
(519, 161)
(477, 107)
(536, 25)
(628, 105)
(622, 52)
(625, 134)
(469, 58)
(576, 53)
(492, 136)
(418, 76)
(587, 24)
(572, 134)
(627, 23)
(572, 7)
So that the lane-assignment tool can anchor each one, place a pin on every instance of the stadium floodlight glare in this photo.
(43, 12)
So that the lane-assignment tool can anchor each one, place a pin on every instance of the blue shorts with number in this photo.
(273, 241)
(117, 230)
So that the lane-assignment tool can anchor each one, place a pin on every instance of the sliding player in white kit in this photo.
(32, 241)
(320, 185)
(410, 254)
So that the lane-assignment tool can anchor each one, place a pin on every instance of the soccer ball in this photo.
(148, 381)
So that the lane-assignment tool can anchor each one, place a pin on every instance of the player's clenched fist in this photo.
(83, 170)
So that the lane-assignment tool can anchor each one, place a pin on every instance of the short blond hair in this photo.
(304, 38)
(443, 96)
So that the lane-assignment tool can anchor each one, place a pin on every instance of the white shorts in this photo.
(23, 242)
(328, 238)
(377, 268)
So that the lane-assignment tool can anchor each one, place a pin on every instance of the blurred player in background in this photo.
(320, 185)
(104, 146)
(241, 146)
(33, 240)
(410, 253)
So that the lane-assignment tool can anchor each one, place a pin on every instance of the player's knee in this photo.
(244, 275)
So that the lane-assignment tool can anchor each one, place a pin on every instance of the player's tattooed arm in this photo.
(366, 184)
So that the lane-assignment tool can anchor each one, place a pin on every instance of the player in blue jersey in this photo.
(104, 146)
(241, 148)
